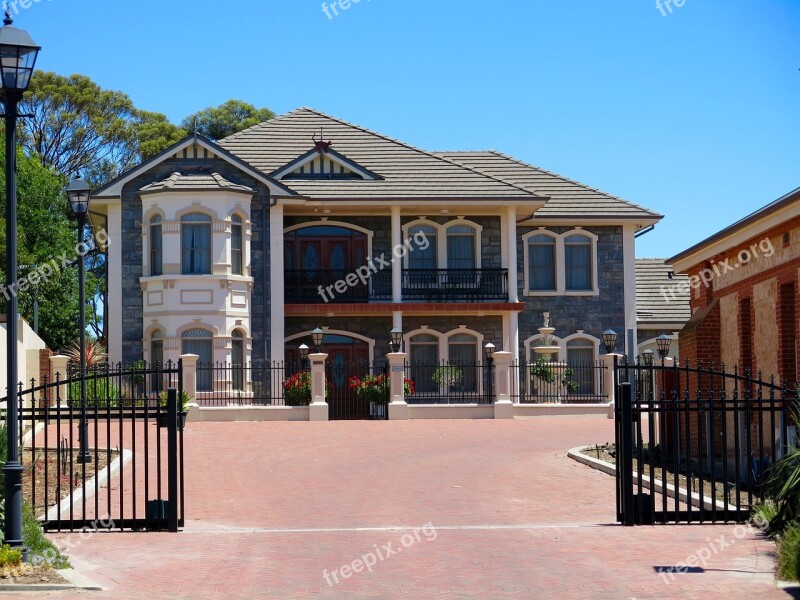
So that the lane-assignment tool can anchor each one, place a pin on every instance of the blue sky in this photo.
(693, 113)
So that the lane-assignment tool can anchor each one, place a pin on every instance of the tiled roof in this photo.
(195, 181)
(567, 198)
(658, 297)
(406, 172)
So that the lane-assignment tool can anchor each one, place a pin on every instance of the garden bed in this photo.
(47, 461)
(607, 453)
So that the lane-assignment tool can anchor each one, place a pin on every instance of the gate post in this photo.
(189, 364)
(398, 407)
(318, 409)
(610, 382)
(625, 453)
(503, 406)
(172, 459)
(58, 368)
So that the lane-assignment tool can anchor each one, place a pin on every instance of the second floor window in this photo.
(237, 246)
(542, 263)
(156, 257)
(578, 262)
(461, 247)
(196, 244)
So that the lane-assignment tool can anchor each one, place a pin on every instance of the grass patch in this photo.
(789, 553)
(36, 542)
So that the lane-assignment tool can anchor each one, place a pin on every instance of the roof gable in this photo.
(319, 163)
(193, 146)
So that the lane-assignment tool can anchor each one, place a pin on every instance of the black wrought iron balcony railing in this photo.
(418, 285)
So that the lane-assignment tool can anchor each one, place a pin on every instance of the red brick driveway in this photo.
(275, 507)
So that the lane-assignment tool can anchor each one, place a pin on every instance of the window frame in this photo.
(560, 262)
(208, 221)
(442, 235)
(156, 231)
(237, 253)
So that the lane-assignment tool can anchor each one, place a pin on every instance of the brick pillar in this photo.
(398, 407)
(318, 410)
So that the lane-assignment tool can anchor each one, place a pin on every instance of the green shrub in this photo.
(9, 556)
(183, 400)
(788, 553)
(100, 393)
(764, 514)
(39, 547)
(447, 376)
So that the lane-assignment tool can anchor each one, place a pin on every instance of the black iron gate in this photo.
(128, 472)
(696, 443)
(346, 401)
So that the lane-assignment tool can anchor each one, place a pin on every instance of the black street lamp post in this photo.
(610, 340)
(316, 336)
(79, 196)
(396, 339)
(303, 357)
(18, 54)
(664, 342)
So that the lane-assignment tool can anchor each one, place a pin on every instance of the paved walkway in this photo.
(444, 509)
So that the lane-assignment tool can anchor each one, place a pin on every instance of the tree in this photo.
(46, 244)
(226, 119)
(78, 126)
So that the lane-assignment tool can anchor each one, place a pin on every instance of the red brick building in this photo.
(745, 293)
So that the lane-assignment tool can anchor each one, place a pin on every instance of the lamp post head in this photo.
(79, 194)
(610, 340)
(488, 350)
(18, 54)
(664, 342)
(317, 336)
(396, 339)
(303, 351)
(648, 356)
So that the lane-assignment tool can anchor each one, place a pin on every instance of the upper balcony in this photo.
(418, 285)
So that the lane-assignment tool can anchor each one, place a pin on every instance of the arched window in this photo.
(580, 359)
(156, 256)
(196, 244)
(237, 246)
(156, 359)
(542, 263)
(419, 258)
(461, 247)
(424, 355)
(200, 342)
(578, 263)
(237, 360)
(462, 352)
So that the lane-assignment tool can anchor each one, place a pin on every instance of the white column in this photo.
(397, 264)
(398, 408)
(277, 317)
(113, 308)
(318, 410)
(189, 365)
(503, 407)
(511, 248)
(609, 382)
(58, 369)
(629, 265)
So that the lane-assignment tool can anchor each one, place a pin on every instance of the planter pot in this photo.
(164, 422)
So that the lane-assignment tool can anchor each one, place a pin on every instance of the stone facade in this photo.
(591, 313)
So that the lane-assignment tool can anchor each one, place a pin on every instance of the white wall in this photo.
(28, 346)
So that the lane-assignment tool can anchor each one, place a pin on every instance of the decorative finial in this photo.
(8, 20)
(546, 319)
(322, 146)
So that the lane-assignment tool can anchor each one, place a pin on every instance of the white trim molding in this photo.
(560, 263)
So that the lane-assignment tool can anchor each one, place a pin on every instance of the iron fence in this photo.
(257, 383)
(357, 390)
(127, 473)
(542, 382)
(451, 382)
(703, 429)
